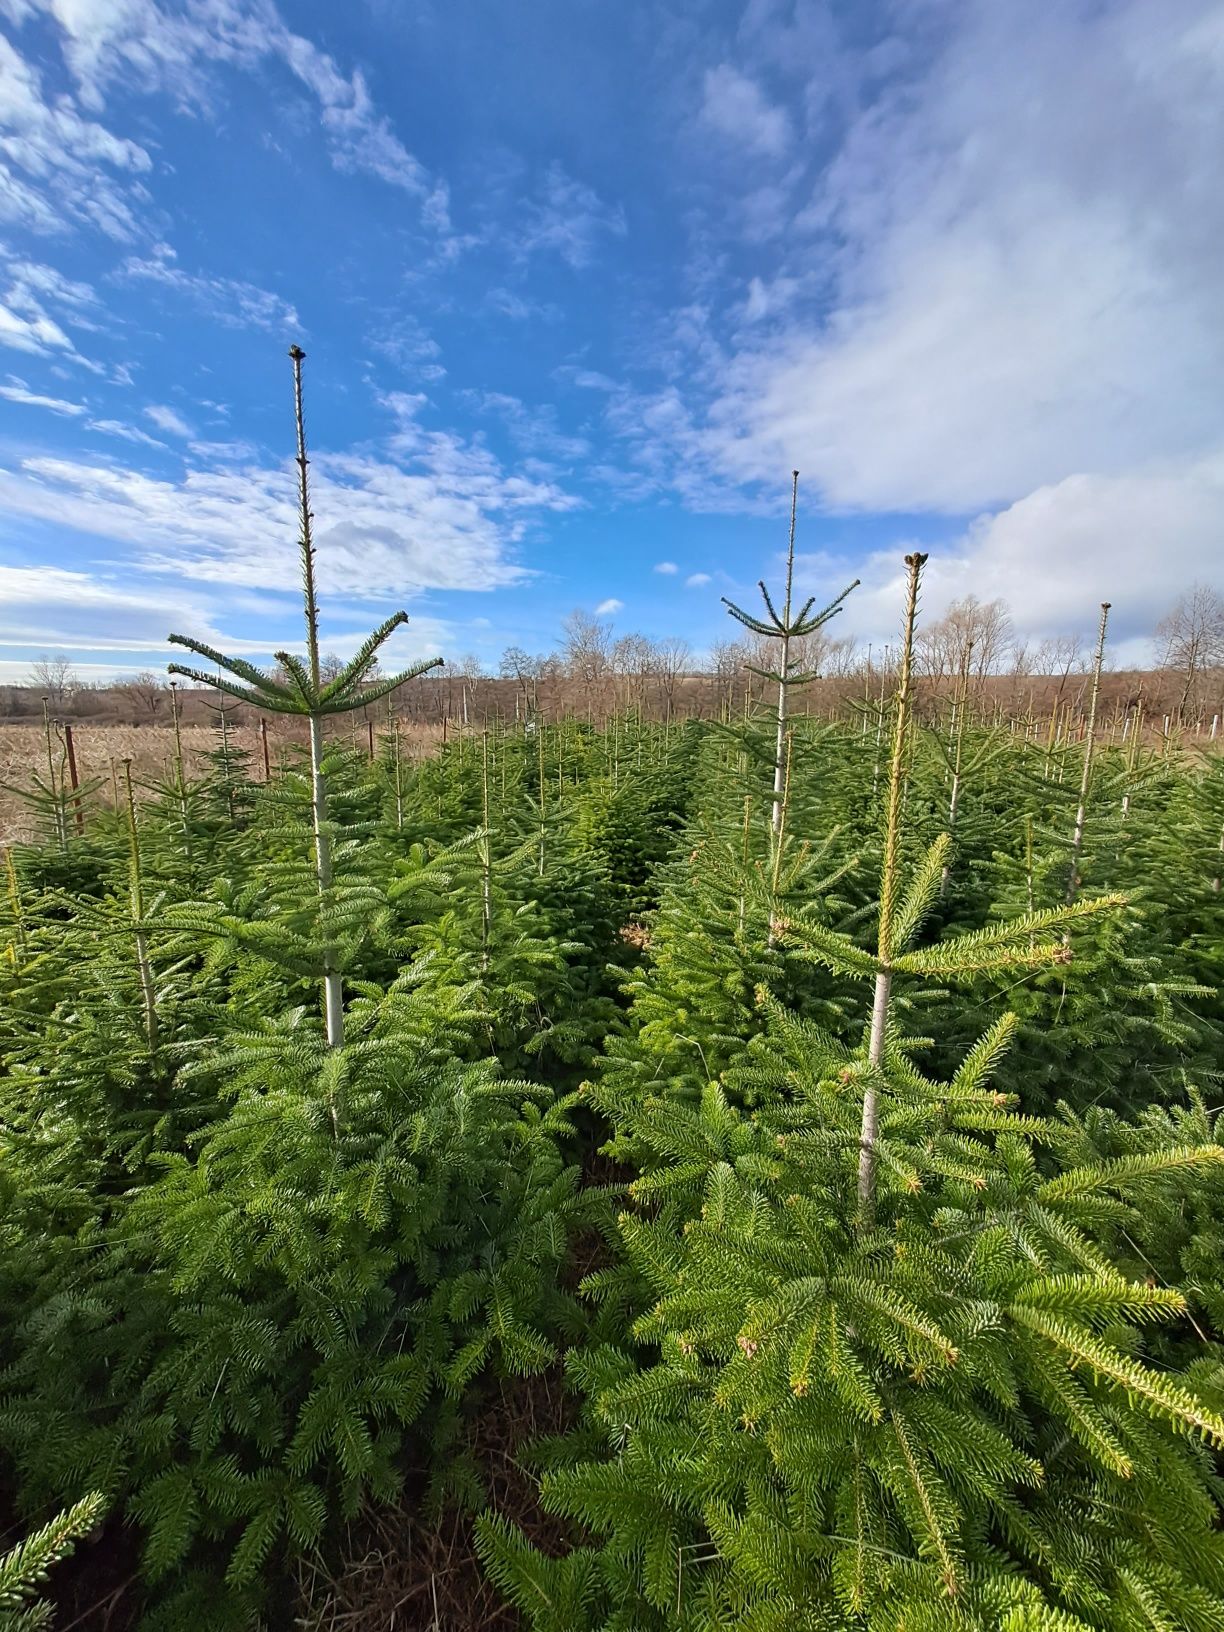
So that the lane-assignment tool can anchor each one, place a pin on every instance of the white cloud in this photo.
(403, 338)
(18, 392)
(33, 281)
(127, 433)
(567, 218)
(736, 108)
(770, 298)
(233, 452)
(49, 607)
(38, 335)
(532, 427)
(697, 580)
(1134, 540)
(519, 308)
(439, 513)
(168, 420)
(1025, 233)
(230, 300)
(606, 608)
(157, 47)
(57, 167)
(668, 568)
(589, 379)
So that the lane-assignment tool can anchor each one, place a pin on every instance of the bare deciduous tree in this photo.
(470, 673)
(674, 657)
(942, 647)
(727, 660)
(146, 691)
(518, 664)
(1058, 657)
(586, 642)
(1191, 640)
(634, 659)
(54, 677)
(586, 645)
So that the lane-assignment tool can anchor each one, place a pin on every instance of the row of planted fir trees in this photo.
(882, 1058)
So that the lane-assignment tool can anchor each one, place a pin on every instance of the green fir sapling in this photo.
(784, 630)
(304, 692)
(883, 1374)
(24, 1568)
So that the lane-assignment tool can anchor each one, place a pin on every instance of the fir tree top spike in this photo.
(786, 627)
(306, 539)
(305, 693)
(302, 692)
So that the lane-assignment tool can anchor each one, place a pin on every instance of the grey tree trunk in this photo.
(333, 1002)
(1077, 840)
(889, 886)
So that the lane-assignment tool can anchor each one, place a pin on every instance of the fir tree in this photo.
(304, 692)
(886, 1369)
(784, 630)
(24, 1568)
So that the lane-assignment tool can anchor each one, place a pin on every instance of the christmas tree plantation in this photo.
(831, 1103)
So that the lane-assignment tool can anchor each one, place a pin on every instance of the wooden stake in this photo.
(73, 778)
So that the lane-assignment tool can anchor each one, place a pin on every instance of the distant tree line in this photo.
(594, 671)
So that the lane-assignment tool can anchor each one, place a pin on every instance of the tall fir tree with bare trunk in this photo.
(303, 689)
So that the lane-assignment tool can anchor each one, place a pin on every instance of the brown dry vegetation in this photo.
(101, 750)
(427, 712)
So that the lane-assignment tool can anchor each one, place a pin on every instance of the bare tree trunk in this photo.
(784, 670)
(143, 966)
(954, 801)
(889, 884)
(1077, 841)
(333, 1003)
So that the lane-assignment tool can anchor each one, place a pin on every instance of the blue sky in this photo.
(579, 284)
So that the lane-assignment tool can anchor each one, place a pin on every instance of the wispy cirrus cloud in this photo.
(125, 432)
(152, 46)
(734, 106)
(36, 333)
(432, 511)
(520, 308)
(55, 607)
(17, 391)
(31, 290)
(59, 168)
(567, 218)
(231, 301)
(533, 428)
(168, 419)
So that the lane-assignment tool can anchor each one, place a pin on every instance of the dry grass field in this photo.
(101, 750)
